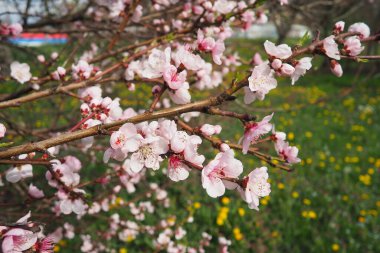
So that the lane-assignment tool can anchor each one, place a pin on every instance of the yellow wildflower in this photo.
(335, 247)
(241, 211)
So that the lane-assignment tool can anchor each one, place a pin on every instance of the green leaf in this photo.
(362, 60)
(304, 39)
(5, 144)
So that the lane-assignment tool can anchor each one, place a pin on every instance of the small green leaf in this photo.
(304, 39)
(362, 60)
(5, 144)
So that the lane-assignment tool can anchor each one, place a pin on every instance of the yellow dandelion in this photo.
(308, 134)
(295, 195)
(241, 211)
(307, 202)
(312, 215)
(225, 200)
(290, 136)
(123, 250)
(335, 247)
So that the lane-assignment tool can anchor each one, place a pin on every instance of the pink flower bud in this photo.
(41, 58)
(217, 129)
(156, 89)
(276, 64)
(34, 192)
(339, 27)
(208, 129)
(287, 69)
(131, 87)
(336, 68)
(3, 129)
(54, 55)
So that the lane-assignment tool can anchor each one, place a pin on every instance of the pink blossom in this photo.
(255, 186)
(3, 129)
(82, 70)
(282, 51)
(65, 174)
(223, 166)
(178, 141)
(253, 131)
(188, 59)
(46, 245)
(173, 79)
(73, 163)
(205, 44)
(17, 240)
(156, 64)
(331, 48)
(137, 14)
(59, 73)
(301, 67)
(94, 92)
(224, 6)
(20, 72)
(257, 60)
(67, 205)
(336, 68)
(284, 2)
(149, 153)
(352, 46)
(34, 192)
(288, 153)
(177, 169)
(17, 173)
(248, 17)
(217, 51)
(261, 82)
(126, 138)
(261, 18)
(167, 129)
(360, 28)
(182, 95)
(191, 150)
(278, 137)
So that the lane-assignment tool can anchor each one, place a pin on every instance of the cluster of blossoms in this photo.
(22, 237)
(351, 45)
(83, 70)
(281, 63)
(148, 142)
(65, 177)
